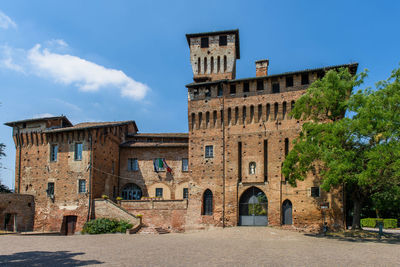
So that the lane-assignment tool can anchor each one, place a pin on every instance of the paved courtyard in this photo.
(257, 246)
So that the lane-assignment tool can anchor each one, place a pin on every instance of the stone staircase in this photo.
(145, 230)
(104, 208)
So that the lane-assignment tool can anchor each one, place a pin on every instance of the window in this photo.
(159, 192)
(208, 92)
(212, 65)
(220, 91)
(304, 78)
(236, 115)
(193, 120)
(229, 116)
(225, 64)
(276, 111)
(214, 117)
(275, 88)
(82, 186)
(50, 189)
(251, 113)
(200, 119)
(289, 81)
(78, 151)
(208, 202)
(218, 64)
(252, 167)
(283, 110)
(315, 191)
(204, 42)
(133, 164)
(259, 112)
(223, 40)
(185, 193)
(222, 117)
(246, 87)
(131, 192)
(198, 65)
(205, 65)
(195, 92)
(260, 85)
(286, 146)
(207, 119)
(244, 115)
(232, 90)
(53, 152)
(158, 164)
(185, 165)
(209, 153)
(268, 111)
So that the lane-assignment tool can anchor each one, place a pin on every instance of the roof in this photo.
(354, 65)
(153, 144)
(200, 34)
(92, 125)
(168, 135)
(12, 123)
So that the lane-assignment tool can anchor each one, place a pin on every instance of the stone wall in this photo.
(21, 208)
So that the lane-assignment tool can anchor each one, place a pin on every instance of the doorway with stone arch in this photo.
(131, 191)
(287, 212)
(253, 208)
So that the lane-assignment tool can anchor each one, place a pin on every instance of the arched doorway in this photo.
(131, 192)
(253, 207)
(287, 212)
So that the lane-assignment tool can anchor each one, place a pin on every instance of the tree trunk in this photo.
(356, 213)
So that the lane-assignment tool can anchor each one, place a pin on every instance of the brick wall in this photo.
(20, 205)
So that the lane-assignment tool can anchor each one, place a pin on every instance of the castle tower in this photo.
(213, 55)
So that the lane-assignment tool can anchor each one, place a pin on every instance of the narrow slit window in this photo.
(229, 116)
(276, 107)
(225, 64)
(218, 64)
(214, 118)
(283, 110)
(207, 119)
(240, 161)
(200, 119)
(212, 65)
(205, 65)
(244, 115)
(198, 65)
(286, 146)
(193, 120)
(236, 115)
(251, 113)
(259, 112)
(268, 112)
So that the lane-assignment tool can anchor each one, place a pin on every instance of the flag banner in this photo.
(166, 165)
(155, 165)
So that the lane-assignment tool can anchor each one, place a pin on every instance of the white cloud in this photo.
(42, 115)
(67, 104)
(6, 21)
(70, 70)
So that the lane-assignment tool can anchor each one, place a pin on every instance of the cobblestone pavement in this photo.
(239, 246)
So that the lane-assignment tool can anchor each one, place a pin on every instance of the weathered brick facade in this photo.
(16, 212)
(225, 172)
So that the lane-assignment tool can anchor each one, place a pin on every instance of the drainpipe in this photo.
(90, 177)
(223, 155)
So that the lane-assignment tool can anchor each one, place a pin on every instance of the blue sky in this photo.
(123, 60)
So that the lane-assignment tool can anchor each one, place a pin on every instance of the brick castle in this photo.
(226, 171)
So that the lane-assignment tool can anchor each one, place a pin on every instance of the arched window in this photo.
(283, 110)
(131, 192)
(268, 112)
(200, 119)
(252, 167)
(236, 115)
(205, 65)
(291, 107)
(276, 111)
(286, 146)
(193, 120)
(198, 66)
(222, 116)
(259, 112)
(215, 118)
(225, 64)
(229, 116)
(208, 202)
(212, 65)
(251, 113)
(244, 115)
(218, 64)
(207, 119)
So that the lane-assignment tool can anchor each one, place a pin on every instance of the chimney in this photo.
(262, 67)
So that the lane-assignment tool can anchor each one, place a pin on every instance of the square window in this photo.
(260, 85)
(220, 91)
(275, 88)
(185, 193)
(223, 40)
(159, 164)
(289, 81)
(246, 87)
(315, 191)
(50, 189)
(82, 186)
(78, 151)
(304, 78)
(53, 152)
(185, 165)
(159, 192)
(204, 42)
(133, 164)
(209, 153)
(232, 89)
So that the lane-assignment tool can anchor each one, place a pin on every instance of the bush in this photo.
(373, 222)
(103, 226)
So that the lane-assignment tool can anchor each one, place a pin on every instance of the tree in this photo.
(3, 188)
(361, 150)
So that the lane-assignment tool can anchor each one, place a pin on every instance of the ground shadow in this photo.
(44, 258)
(386, 238)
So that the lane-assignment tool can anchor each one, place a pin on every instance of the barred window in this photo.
(133, 164)
(185, 193)
(159, 192)
(53, 152)
(82, 186)
(185, 165)
(78, 151)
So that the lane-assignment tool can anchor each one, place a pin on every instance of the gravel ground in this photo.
(239, 246)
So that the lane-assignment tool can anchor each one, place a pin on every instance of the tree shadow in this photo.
(45, 258)
(386, 238)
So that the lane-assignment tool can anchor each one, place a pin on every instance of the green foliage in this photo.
(103, 226)
(373, 222)
(361, 150)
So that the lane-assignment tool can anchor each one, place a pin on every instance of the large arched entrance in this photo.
(287, 212)
(253, 207)
(131, 192)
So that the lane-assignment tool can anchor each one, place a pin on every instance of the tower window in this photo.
(315, 192)
(208, 92)
(244, 115)
(198, 66)
(260, 85)
(78, 151)
(185, 193)
(304, 78)
(207, 119)
(275, 88)
(236, 115)
(218, 64)
(276, 111)
(133, 164)
(205, 65)
(223, 40)
(53, 152)
(185, 165)
(214, 117)
(252, 167)
(268, 111)
(286, 146)
(246, 87)
(209, 152)
(225, 64)
(283, 110)
(233, 89)
(82, 186)
(220, 91)
(289, 81)
(204, 42)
